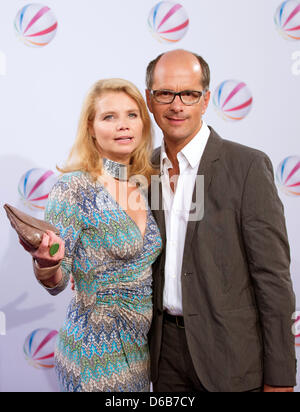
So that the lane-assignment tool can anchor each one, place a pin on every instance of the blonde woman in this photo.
(108, 242)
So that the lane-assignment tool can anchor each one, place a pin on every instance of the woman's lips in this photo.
(124, 139)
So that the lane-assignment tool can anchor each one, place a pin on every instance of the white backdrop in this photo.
(41, 93)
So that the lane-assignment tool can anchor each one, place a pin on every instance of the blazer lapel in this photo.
(211, 154)
(158, 210)
(159, 215)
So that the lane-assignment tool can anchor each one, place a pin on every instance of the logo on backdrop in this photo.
(35, 186)
(287, 19)
(233, 100)
(39, 348)
(168, 22)
(36, 25)
(288, 175)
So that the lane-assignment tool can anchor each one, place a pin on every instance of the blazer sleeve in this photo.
(268, 254)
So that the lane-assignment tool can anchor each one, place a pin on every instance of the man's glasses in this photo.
(188, 97)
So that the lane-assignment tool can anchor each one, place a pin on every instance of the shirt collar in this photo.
(164, 160)
(193, 151)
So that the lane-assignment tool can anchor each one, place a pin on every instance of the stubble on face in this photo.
(177, 71)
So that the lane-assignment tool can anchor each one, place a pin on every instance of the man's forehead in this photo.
(177, 79)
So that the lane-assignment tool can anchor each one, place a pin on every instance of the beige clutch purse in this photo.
(29, 229)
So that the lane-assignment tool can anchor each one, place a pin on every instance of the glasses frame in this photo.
(201, 93)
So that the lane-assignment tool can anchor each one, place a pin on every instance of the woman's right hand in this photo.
(42, 254)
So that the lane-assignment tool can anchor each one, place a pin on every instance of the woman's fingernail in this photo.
(54, 249)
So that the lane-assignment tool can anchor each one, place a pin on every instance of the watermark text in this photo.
(2, 324)
(191, 191)
(296, 64)
(3, 64)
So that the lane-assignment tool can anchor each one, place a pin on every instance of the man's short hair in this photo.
(204, 66)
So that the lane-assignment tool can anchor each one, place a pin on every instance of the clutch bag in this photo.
(29, 229)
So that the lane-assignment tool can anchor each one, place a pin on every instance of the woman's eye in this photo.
(108, 117)
(133, 115)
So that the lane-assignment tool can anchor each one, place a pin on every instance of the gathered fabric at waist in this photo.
(138, 299)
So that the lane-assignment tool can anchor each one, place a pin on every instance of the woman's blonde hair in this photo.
(85, 155)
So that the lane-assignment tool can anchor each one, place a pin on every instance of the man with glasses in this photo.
(223, 298)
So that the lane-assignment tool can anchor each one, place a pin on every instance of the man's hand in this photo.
(268, 388)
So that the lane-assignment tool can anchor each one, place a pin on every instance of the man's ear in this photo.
(148, 100)
(206, 101)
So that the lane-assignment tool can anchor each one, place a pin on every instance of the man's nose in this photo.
(177, 105)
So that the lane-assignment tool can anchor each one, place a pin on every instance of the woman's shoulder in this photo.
(75, 179)
(70, 184)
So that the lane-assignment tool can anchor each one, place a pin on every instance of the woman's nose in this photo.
(123, 125)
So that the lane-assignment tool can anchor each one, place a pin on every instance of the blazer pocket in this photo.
(228, 253)
(244, 342)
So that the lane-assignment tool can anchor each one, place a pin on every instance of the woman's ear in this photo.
(148, 100)
(91, 130)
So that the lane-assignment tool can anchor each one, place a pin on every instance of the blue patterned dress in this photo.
(102, 345)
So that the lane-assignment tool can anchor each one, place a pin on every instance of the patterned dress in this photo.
(102, 345)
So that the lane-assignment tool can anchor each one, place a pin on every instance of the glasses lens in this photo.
(190, 97)
(163, 96)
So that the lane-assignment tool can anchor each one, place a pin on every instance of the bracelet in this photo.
(44, 274)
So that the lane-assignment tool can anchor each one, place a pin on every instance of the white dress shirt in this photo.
(177, 206)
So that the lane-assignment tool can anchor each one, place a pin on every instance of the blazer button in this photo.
(187, 274)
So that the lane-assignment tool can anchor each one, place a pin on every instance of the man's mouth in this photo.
(176, 119)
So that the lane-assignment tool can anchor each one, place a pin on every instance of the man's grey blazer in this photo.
(237, 293)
